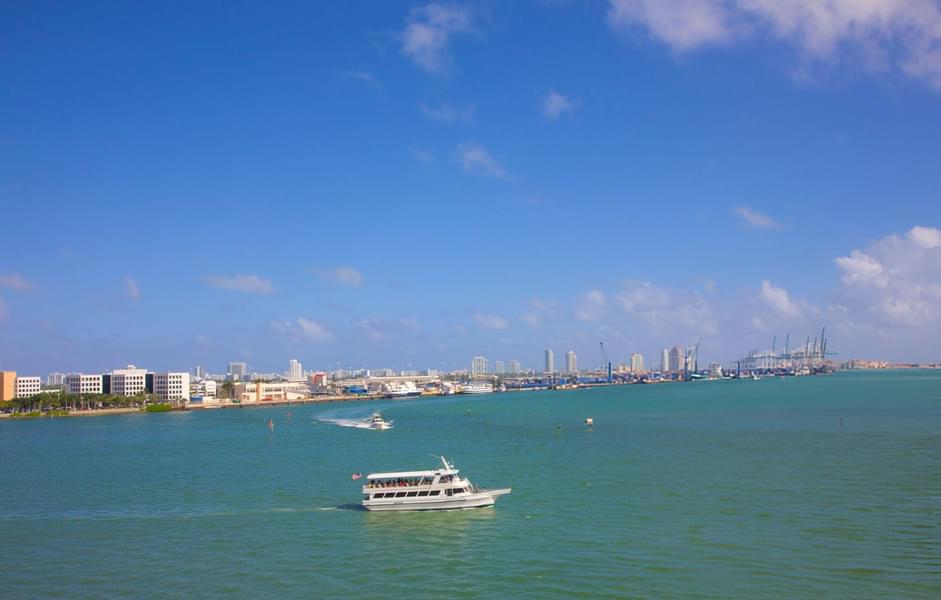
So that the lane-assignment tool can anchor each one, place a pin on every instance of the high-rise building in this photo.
(237, 371)
(637, 363)
(55, 379)
(498, 367)
(550, 361)
(665, 360)
(571, 362)
(7, 385)
(479, 366)
(129, 382)
(295, 370)
(199, 372)
(677, 356)
(515, 368)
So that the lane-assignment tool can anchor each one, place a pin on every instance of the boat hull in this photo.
(474, 500)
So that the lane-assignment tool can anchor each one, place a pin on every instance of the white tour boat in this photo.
(477, 387)
(377, 422)
(440, 489)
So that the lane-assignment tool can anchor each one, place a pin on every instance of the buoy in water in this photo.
(589, 421)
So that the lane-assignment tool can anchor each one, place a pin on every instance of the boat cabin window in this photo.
(435, 493)
(400, 495)
(422, 493)
(411, 494)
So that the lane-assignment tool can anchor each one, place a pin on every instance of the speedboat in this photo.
(438, 489)
(378, 423)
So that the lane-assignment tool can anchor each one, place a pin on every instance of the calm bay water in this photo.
(714, 489)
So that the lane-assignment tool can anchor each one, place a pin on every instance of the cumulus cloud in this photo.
(449, 113)
(904, 35)
(897, 280)
(539, 311)
(16, 282)
(665, 310)
(754, 219)
(343, 275)
(779, 301)
(304, 329)
(554, 105)
(249, 284)
(373, 329)
(495, 322)
(591, 306)
(428, 32)
(475, 159)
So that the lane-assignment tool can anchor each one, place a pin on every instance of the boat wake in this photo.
(358, 424)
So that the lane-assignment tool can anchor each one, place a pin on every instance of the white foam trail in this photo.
(363, 424)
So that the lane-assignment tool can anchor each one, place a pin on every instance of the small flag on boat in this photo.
(356, 476)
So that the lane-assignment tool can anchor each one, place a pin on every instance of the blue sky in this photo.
(413, 184)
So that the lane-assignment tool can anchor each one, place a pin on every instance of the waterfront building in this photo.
(28, 386)
(258, 391)
(295, 370)
(129, 382)
(172, 386)
(498, 367)
(207, 388)
(77, 383)
(550, 361)
(7, 385)
(677, 358)
(665, 360)
(515, 368)
(637, 363)
(237, 371)
(318, 381)
(55, 379)
(571, 362)
(479, 366)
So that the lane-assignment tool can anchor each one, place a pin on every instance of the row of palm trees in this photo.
(47, 401)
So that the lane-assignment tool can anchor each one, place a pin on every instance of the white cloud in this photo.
(754, 219)
(475, 159)
(495, 322)
(531, 319)
(373, 329)
(343, 275)
(16, 282)
(449, 113)
(366, 78)
(428, 32)
(539, 311)
(876, 34)
(422, 155)
(780, 302)
(410, 323)
(555, 104)
(897, 280)
(305, 329)
(249, 284)
(132, 289)
(663, 310)
(591, 306)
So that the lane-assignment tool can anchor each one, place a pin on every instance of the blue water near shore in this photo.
(711, 489)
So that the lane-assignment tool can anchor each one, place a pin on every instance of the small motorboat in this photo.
(378, 423)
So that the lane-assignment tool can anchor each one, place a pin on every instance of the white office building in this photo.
(55, 379)
(295, 370)
(479, 366)
(499, 367)
(28, 386)
(665, 360)
(515, 368)
(77, 383)
(199, 372)
(550, 361)
(571, 362)
(171, 386)
(129, 382)
(637, 363)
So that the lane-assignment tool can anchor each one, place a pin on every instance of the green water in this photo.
(711, 489)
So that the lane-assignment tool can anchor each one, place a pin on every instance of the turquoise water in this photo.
(712, 489)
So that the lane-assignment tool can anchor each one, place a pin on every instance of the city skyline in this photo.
(359, 194)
